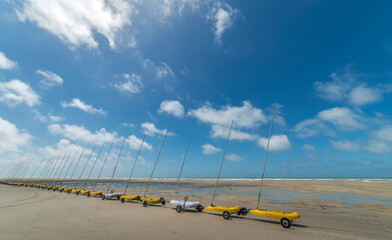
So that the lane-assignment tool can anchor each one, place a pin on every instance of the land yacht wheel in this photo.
(122, 200)
(178, 208)
(103, 197)
(226, 215)
(285, 223)
(199, 208)
(145, 204)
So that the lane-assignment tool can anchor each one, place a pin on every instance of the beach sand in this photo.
(328, 210)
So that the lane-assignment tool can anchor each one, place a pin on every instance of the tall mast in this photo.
(115, 167)
(223, 158)
(134, 164)
(69, 167)
(265, 160)
(106, 158)
(77, 163)
(183, 161)
(159, 154)
(85, 184)
(85, 165)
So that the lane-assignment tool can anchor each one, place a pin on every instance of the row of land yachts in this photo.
(180, 205)
(54, 184)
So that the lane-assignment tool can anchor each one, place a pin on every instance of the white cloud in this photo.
(219, 131)
(16, 92)
(384, 133)
(379, 146)
(80, 133)
(381, 140)
(308, 147)
(135, 143)
(76, 22)
(45, 119)
(345, 87)
(312, 127)
(346, 145)
(150, 129)
(277, 143)
(221, 15)
(11, 138)
(50, 79)
(234, 158)
(245, 116)
(163, 70)
(209, 149)
(131, 85)
(64, 146)
(76, 103)
(172, 107)
(363, 95)
(342, 118)
(6, 63)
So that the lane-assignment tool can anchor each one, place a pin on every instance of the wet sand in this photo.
(328, 209)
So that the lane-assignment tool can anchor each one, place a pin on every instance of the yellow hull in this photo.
(67, 189)
(84, 191)
(223, 209)
(96, 193)
(130, 198)
(150, 200)
(276, 215)
(61, 189)
(76, 190)
(55, 187)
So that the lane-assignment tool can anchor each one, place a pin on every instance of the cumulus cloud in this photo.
(209, 149)
(12, 138)
(173, 108)
(6, 63)
(16, 92)
(222, 15)
(245, 116)
(161, 71)
(50, 79)
(219, 131)
(346, 145)
(49, 118)
(277, 143)
(131, 85)
(77, 22)
(76, 103)
(64, 146)
(308, 147)
(135, 143)
(346, 87)
(150, 129)
(341, 118)
(381, 140)
(234, 158)
(80, 133)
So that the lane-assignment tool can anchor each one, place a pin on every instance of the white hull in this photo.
(182, 203)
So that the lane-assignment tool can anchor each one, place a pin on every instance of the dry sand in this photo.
(28, 213)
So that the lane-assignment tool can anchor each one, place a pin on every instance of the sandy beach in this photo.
(328, 210)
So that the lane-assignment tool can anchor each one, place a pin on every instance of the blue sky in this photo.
(76, 75)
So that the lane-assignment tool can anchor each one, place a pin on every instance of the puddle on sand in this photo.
(351, 199)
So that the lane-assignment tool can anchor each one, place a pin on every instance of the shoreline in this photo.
(33, 210)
